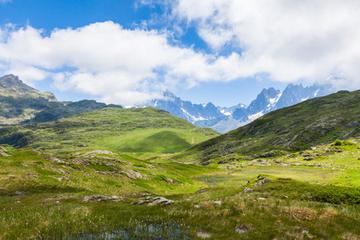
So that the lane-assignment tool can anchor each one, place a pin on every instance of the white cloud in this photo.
(288, 40)
(109, 62)
(308, 40)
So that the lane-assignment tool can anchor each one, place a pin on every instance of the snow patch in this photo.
(252, 117)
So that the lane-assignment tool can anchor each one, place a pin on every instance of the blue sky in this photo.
(199, 50)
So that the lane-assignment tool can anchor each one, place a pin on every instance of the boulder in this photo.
(133, 174)
(154, 200)
(247, 190)
(203, 235)
(261, 180)
(3, 152)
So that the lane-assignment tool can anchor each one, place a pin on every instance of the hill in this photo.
(116, 129)
(22, 104)
(313, 122)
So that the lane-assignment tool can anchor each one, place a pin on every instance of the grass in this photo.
(162, 140)
(131, 130)
(43, 183)
(42, 198)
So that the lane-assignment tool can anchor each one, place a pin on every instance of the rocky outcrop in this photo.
(154, 200)
(101, 198)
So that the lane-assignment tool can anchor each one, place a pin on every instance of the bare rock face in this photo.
(101, 198)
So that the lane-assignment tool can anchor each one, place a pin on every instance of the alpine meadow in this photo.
(184, 119)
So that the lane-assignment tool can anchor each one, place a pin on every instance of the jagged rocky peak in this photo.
(12, 86)
(295, 93)
(11, 81)
(264, 101)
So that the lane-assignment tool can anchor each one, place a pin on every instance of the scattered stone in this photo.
(241, 229)
(205, 163)
(247, 190)
(261, 199)
(203, 190)
(18, 193)
(169, 180)
(267, 154)
(197, 206)
(308, 156)
(96, 152)
(80, 161)
(218, 202)
(154, 200)
(203, 235)
(221, 162)
(338, 150)
(56, 160)
(261, 180)
(101, 198)
(3, 152)
(133, 174)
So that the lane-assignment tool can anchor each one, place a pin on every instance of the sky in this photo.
(223, 51)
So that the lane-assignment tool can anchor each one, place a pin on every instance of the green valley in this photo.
(140, 173)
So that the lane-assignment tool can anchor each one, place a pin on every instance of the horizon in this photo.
(139, 49)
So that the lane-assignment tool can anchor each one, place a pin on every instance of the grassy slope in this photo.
(315, 199)
(131, 130)
(316, 121)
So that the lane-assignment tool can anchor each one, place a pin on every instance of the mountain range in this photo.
(20, 103)
(224, 119)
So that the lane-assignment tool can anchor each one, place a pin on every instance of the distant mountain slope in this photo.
(316, 121)
(116, 129)
(200, 114)
(224, 119)
(12, 86)
(20, 103)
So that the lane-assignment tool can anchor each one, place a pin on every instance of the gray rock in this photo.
(133, 174)
(308, 158)
(3, 152)
(96, 152)
(241, 229)
(101, 198)
(261, 181)
(203, 235)
(154, 200)
(247, 190)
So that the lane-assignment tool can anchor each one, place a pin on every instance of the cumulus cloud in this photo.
(109, 62)
(310, 40)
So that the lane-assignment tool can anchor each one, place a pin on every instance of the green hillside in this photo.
(143, 130)
(313, 122)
